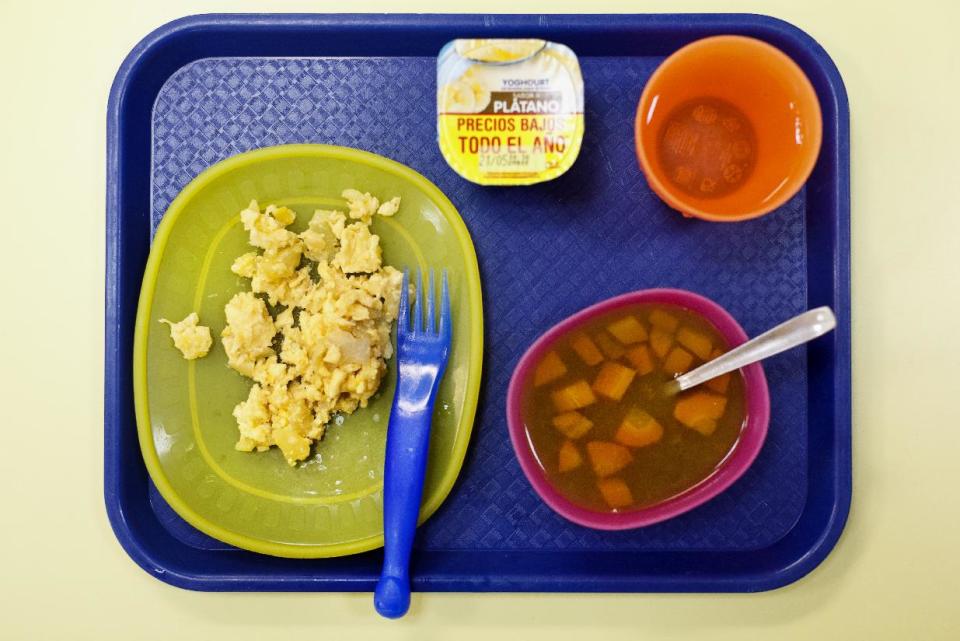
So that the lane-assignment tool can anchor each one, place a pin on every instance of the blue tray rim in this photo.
(150, 556)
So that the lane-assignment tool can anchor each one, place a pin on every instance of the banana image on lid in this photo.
(466, 95)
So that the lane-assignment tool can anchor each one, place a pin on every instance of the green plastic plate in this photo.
(331, 504)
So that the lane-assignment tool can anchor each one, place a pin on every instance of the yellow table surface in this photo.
(895, 573)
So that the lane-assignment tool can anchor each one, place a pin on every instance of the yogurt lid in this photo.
(509, 111)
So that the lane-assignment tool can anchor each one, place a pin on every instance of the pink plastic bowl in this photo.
(744, 451)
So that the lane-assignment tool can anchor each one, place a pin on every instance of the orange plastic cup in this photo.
(772, 93)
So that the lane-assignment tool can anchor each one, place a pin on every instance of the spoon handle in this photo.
(796, 331)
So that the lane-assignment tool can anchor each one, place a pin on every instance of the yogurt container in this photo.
(509, 111)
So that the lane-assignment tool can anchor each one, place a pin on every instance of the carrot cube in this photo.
(573, 396)
(610, 348)
(549, 369)
(719, 384)
(586, 349)
(572, 424)
(607, 458)
(569, 457)
(615, 492)
(700, 411)
(628, 330)
(678, 361)
(696, 342)
(641, 359)
(638, 429)
(662, 320)
(660, 342)
(705, 426)
(612, 380)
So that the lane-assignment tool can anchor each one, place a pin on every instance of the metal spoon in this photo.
(796, 331)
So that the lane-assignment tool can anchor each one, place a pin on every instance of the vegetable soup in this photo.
(601, 423)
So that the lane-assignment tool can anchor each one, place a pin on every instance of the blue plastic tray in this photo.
(204, 88)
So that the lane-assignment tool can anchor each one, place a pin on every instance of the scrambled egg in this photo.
(324, 349)
(191, 339)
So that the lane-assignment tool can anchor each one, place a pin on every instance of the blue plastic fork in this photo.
(421, 359)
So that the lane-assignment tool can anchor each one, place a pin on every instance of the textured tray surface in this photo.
(544, 252)
(206, 87)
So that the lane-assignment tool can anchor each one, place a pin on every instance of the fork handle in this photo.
(408, 441)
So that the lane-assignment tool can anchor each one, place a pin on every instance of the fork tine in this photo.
(430, 321)
(418, 305)
(444, 308)
(403, 311)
